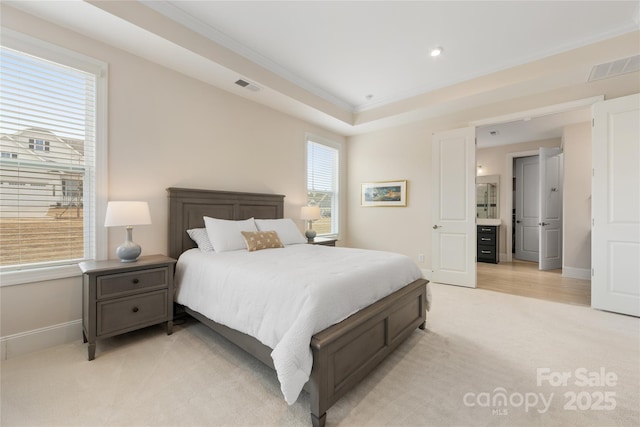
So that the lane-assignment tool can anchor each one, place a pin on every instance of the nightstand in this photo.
(119, 297)
(488, 243)
(324, 241)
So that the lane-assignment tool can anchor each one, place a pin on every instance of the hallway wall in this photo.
(576, 144)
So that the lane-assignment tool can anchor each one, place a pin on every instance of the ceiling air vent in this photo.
(615, 68)
(248, 85)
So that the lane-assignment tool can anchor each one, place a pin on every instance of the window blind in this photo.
(322, 185)
(47, 161)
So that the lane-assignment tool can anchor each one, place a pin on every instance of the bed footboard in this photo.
(345, 353)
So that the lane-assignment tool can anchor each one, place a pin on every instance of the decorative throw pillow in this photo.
(200, 236)
(287, 230)
(258, 240)
(225, 234)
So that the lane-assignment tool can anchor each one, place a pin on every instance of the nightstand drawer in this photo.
(115, 285)
(486, 239)
(486, 252)
(132, 312)
(487, 229)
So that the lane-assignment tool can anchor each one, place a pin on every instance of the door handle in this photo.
(435, 227)
(543, 223)
(518, 222)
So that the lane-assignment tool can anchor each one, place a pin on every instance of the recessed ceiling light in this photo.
(436, 51)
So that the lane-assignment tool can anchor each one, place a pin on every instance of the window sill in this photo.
(10, 278)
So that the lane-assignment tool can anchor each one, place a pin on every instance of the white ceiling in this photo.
(345, 51)
(531, 129)
(319, 60)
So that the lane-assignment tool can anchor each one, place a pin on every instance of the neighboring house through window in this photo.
(38, 144)
(51, 139)
(323, 160)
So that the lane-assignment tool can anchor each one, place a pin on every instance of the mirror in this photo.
(487, 192)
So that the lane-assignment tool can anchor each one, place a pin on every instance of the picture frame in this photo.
(384, 193)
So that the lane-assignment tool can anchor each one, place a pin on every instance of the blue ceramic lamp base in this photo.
(129, 251)
(311, 234)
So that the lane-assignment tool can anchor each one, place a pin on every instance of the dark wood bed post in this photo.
(344, 353)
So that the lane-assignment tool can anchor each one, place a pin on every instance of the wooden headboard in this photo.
(188, 206)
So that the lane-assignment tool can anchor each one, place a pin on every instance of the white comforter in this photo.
(284, 296)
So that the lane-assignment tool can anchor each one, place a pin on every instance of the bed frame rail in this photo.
(347, 352)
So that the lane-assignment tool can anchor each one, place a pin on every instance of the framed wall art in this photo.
(385, 193)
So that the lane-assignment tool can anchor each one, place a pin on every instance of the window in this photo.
(38, 144)
(51, 108)
(323, 183)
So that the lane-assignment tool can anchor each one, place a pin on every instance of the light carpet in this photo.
(486, 359)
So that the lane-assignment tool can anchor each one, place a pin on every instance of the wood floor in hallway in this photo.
(524, 279)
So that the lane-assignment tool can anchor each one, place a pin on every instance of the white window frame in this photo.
(29, 45)
(336, 219)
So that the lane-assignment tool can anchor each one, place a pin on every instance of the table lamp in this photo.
(310, 214)
(127, 214)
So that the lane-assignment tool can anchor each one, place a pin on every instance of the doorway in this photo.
(538, 224)
(504, 165)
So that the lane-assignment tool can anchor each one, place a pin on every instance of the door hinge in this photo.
(593, 122)
(593, 222)
(593, 172)
(592, 272)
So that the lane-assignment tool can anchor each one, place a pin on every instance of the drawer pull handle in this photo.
(486, 252)
(135, 309)
(136, 281)
(485, 239)
(486, 229)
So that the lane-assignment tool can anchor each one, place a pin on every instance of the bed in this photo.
(344, 353)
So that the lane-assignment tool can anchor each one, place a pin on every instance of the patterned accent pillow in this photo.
(200, 236)
(257, 240)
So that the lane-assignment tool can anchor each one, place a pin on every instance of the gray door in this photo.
(527, 208)
(551, 175)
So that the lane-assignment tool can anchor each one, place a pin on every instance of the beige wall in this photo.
(396, 154)
(576, 143)
(166, 129)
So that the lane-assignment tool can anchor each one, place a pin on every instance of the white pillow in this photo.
(225, 234)
(200, 236)
(286, 229)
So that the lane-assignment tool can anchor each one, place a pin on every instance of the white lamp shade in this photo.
(310, 213)
(127, 213)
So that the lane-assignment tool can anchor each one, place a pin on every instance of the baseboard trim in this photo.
(39, 339)
(426, 273)
(576, 273)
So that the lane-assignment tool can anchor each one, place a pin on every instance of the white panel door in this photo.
(615, 206)
(550, 226)
(527, 208)
(453, 207)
